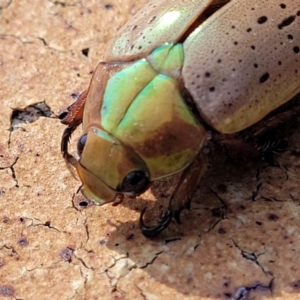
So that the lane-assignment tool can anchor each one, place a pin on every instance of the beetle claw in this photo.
(152, 231)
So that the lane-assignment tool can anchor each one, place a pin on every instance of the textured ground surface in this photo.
(240, 240)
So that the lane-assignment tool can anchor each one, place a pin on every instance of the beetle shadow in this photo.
(221, 249)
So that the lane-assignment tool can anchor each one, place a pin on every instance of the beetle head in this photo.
(107, 168)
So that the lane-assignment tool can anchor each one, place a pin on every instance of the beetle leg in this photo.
(186, 186)
(268, 136)
(269, 147)
(181, 197)
(64, 145)
(74, 113)
(262, 140)
(73, 118)
(152, 231)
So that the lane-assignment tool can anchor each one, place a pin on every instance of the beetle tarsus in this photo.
(72, 117)
(64, 145)
(152, 231)
(272, 147)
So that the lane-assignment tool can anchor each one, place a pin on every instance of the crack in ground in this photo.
(141, 292)
(22, 39)
(43, 41)
(258, 186)
(84, 263)
(46, 44)
(286, 169)
(13, 173)
(11, 248)
(64, 4)
(115, 279)
(46, 224)
(223, 202)
(252, 256)
(243, 292)
(272, 199)
(294, 199)
(14, 176)
(171, 240)
(218, 211)
(86, 230)
(30, 114)
(29, 39)
(214, 225)
(76, 293)
(152, 261)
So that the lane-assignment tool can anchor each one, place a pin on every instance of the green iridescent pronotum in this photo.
(175, 71)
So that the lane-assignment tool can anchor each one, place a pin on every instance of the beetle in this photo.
(176, 72)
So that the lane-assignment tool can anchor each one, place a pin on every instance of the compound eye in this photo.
(81, 144)
(135, 182)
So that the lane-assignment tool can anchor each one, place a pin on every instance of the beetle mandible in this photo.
(175, 71)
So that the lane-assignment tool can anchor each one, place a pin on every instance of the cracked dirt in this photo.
(240, 239)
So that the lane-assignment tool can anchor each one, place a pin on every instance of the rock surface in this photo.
(240, 239)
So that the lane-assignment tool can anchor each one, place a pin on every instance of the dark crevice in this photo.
(255, 193)
(19, 38)
(294, 198)
(13, 173)
(81, 203)
(47, 224)
(243, 293)
(214, 225)
(64, 4)
(167, 241)
(141, 292)
(85, 52)
(218, 212)
(43, 40)
(224, 204)
(29, 114)
(152, 261)
(196, 246)
(87, 231)
(84, 263)
(272, 199)
(252, 256)
(108, 6)
(74, 204)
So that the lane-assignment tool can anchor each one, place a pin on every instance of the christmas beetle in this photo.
(176, 75)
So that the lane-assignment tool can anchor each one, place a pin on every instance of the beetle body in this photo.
(237, 61)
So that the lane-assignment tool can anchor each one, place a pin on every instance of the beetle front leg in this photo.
(73, 118)
(181, 197)
(74, 113)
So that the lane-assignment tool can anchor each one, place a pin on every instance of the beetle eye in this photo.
(135, 182)
(81, 144)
